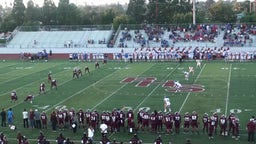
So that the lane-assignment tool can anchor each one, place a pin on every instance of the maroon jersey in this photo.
(42, 88)
(43, 118)
(29, 98)
(49, 77)
(194, 120)
(80, 116)
(186, 120)
(53, 84)
(14, 96)
(60, 118)
(87, 116)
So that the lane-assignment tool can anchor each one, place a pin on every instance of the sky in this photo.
(78, 2)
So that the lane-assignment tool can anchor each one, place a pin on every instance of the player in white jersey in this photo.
(167, 104)
(177, 85)
(191, 69)
(198, 63)
(186, 74)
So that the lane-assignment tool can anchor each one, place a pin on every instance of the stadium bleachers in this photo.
(60, 39)
(127, 39)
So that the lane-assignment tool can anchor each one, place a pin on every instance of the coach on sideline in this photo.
(251, 126)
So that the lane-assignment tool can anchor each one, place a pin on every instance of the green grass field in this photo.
(227, 87)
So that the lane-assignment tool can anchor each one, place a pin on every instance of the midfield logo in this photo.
(168, 85)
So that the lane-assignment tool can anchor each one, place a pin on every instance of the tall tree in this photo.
(222, 12)
(66, 13)
(18, 12)
(49, 12)
(32, 15)
(137, 10)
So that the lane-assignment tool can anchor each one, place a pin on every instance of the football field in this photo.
(218, 86)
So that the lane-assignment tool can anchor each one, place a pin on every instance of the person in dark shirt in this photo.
(60, 139)
(158, 140)
(3, 117)
(135, 140)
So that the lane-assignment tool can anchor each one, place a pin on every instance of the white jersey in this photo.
(167, 101)
(198, 63)
(177, 84)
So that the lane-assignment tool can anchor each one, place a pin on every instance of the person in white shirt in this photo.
(25, 118)
(167, 104)
(103, 129)
(90, 134)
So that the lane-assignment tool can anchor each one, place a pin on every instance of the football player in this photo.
(54, 84)
(167, 104)
(186, 74)
(49, 77)
(14, 96)
(191, 70)
(97, 65)
(198, 63)
(177, 85)
(42, 88)
(86, 70)
(29, 98)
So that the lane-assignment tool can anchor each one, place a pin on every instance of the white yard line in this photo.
(155, 88)
(184, 102)
(228, 88)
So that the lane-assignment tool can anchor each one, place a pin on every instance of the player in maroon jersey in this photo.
(114, 122)
(145, 121)
(168, 122)
(121, 119)
(49, 77)
(87, 117)
(93, 120)
(194, 122)
(40, 138)
(135, 140)
(186, 122)
(177, 122)
(205, 121)
(29, 98)
(140, 117)
(130, 117)
(212, 124)
(44, 120)
(80, 117)
(42, 88)
(215, 115)
(71, 115)
(54, 84)
(86, 70)
(231, 118)
(14, 96)
(159, 121)
(223, 125)
(60, 118)
(236, 128)
(153, 122)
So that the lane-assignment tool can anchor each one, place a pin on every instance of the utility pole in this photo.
(194, 12)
